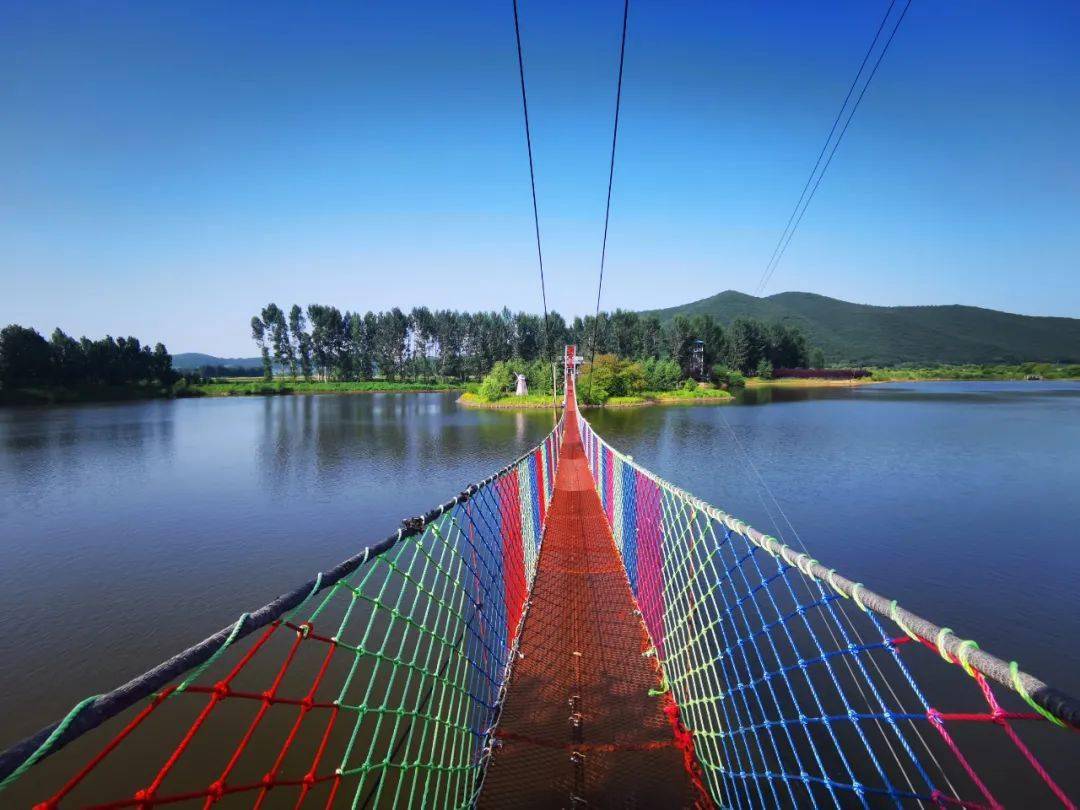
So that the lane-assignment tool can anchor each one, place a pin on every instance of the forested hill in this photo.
(188, 361)
(860, 334)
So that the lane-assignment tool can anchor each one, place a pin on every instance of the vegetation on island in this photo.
(608, 380)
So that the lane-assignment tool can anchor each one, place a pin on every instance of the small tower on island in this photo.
(697, 359)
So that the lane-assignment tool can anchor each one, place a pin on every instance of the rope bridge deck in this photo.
(579, 726)
(571, 631)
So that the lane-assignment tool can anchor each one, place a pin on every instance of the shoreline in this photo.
(44, 397)
(469, 400)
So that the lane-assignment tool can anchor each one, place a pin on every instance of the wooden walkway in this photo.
(579, 727)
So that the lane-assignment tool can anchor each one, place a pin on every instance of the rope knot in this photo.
(413, 524)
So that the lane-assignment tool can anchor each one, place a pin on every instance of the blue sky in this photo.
(168, 168)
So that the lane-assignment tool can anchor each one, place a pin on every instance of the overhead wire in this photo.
(804, 200)
(532, 184)
(611, 181)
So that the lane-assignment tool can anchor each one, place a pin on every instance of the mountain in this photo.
(193, 360)
(860, 334)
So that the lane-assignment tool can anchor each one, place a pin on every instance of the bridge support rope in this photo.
(787, 701)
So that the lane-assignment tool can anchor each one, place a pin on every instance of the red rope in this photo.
(684, 741)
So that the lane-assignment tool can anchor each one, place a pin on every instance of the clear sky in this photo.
(166, 169)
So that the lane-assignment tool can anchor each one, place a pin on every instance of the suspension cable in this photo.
(804, 200)
(611, 179)
(532, 183)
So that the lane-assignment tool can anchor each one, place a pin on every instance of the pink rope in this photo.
(936, 721)
(1000, 718)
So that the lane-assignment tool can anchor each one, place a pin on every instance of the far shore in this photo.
(247, 387)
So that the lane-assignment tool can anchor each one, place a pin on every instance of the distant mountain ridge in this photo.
(861, 334)
(188, 361)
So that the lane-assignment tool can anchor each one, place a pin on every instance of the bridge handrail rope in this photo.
(746, 657)
(1056, 706)
(494, 501)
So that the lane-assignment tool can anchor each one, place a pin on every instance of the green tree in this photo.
(68, 359)
(679, 336)
(25, 358)
(258, 334)
(391, 339)
(449, 328)
(787, 346)
(747, 345)
(528, 335)
(652, 337)
(302, 341)
(726, 377)
(661, 375)
(274, 322)
(162, 365)
(366, 359)
(625, 334)
(498, 382)
(817, 358)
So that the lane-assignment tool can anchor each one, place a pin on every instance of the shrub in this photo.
(497, 383)
(727, 377)
(764, 370)
(608, 376)
(661, 375)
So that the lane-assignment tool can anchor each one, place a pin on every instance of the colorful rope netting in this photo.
(379, 687)
(793, 689)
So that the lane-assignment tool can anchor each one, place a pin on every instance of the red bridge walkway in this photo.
(579, 725)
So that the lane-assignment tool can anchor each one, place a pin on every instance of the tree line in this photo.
(28, 360)
(324, 342)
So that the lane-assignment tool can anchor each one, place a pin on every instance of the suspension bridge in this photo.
(572, 631)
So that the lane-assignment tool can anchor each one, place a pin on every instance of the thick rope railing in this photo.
(770, 672)
(454, 581)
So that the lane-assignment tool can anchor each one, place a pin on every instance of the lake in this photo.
(133, 530)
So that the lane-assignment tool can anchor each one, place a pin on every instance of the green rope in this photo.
(1014, 670)
(203, 666)
(963, 652)
(940, 642)
(663, 690)
(855, 595)
(896, 618)
(835, 587)
(43, 749)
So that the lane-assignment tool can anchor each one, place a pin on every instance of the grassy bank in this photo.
(248, 388)
(241, 387)
(1021, 371)
(700, 395)
(471, 399)
(61, 395)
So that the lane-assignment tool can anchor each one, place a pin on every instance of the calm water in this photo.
(133, 530)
